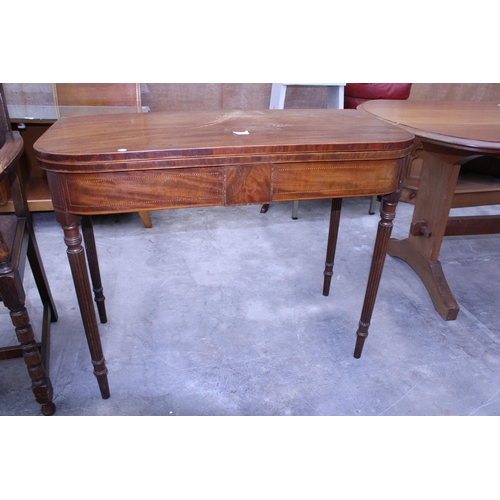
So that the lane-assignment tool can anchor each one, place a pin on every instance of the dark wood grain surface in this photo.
(123, 163)
(194, 134)
(470, 125)
(448, 135)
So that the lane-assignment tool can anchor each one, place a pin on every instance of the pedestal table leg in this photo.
(430, 217)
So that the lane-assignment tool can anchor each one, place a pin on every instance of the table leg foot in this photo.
(432, 276)
(361, 335)
(146, 219)
(48, 409)
(101, 373)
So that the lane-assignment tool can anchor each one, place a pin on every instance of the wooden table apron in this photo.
(156, 161)
(451, 133)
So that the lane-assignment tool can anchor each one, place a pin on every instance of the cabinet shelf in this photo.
(474, 189)
(37, 194)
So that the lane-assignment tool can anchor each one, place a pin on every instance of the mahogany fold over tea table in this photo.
(155, 161)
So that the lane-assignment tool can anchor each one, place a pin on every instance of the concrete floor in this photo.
(219, 311)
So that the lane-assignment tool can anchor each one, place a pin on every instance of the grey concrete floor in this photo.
(219, 311)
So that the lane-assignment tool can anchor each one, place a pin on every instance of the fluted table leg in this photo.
(76, 257)
(387, 214)
(95, 273)
(332, 243)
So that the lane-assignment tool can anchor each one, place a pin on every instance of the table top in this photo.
(118, 141)
(471, 125)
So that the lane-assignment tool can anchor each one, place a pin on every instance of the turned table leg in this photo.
(95, 273)
(78, 266)
(387, 214)
(332, 243)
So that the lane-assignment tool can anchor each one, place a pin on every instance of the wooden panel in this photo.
(476, 189)
(247, 184)
(133, 191)
(97, 94)
(330, 180)
(482, 224)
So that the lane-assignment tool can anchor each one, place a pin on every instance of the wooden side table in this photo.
(178, 160)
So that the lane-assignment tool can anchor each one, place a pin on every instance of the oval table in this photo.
(451, 134)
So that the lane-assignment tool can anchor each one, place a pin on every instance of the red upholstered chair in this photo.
(358, 93)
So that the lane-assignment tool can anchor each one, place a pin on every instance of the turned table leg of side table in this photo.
(76, 257)
(332, 243)
(387, 214)
(95, 273)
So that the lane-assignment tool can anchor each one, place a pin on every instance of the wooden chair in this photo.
(101, 94)
(17, 240)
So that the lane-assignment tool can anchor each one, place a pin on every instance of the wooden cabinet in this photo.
(35, 180)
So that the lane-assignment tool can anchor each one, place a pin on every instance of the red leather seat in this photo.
(358, 93)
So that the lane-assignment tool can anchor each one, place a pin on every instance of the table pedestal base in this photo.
(432, 276)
